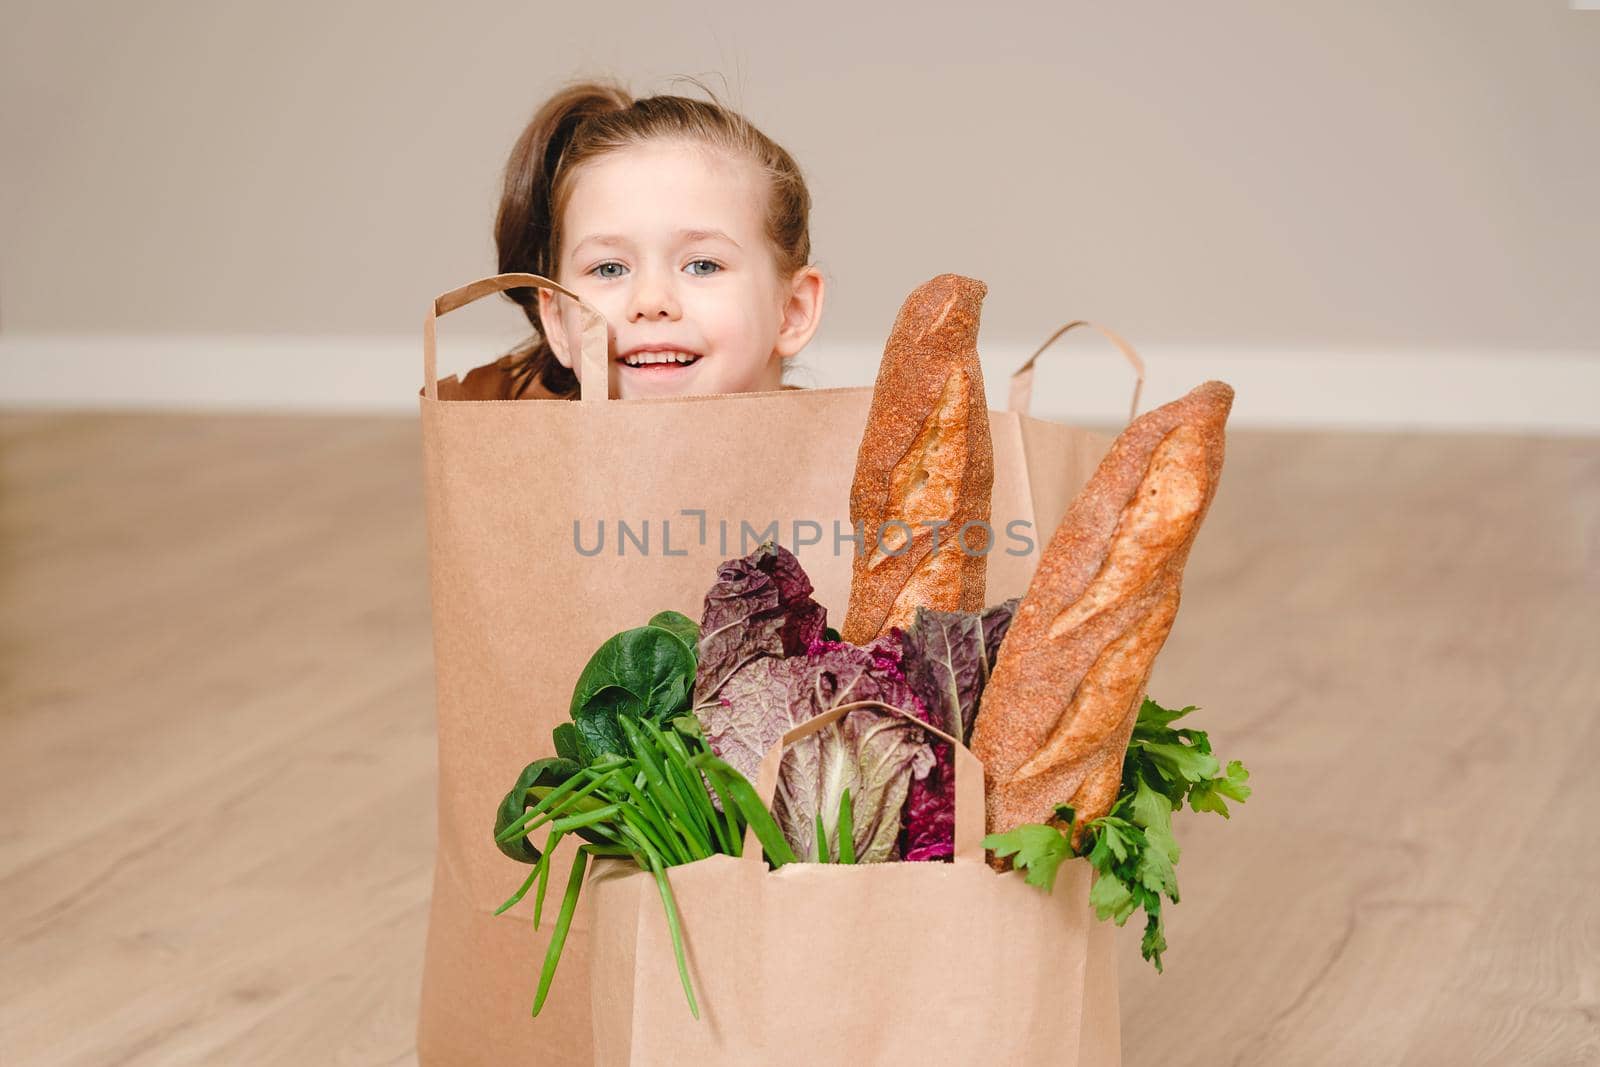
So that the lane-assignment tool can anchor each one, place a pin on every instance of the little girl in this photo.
(683, 224)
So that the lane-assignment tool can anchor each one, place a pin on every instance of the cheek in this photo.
(736, 326)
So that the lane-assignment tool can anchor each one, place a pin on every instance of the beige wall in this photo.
(1378, 174)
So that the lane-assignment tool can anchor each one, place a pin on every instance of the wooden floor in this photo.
(216, 749)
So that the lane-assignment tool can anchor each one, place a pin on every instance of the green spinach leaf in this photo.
(540, 774)
(644, 673)
(679, 625)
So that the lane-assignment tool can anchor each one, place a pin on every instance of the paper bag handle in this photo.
(594, 381)
(1022, 380)
(970, 813)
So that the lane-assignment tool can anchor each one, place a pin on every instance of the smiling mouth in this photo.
(660, 361)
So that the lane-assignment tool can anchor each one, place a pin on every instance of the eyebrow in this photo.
(611, 239)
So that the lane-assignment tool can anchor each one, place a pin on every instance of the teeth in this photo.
(640, 359)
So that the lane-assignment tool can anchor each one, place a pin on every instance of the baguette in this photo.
(1056, 716)
(926, 458)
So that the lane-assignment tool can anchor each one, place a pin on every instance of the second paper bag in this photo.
(838, 966)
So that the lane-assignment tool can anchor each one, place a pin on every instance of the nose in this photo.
(653, 298)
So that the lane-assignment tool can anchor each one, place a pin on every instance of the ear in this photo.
(802, 312)
(554, 329)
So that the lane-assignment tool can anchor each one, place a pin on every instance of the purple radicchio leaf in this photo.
(760, 606)
(942, 655)
(874, 753)
(996, 621)
(930, 812)
(947, 658)
(749, 713)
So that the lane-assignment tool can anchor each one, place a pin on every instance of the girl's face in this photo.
(667, 241)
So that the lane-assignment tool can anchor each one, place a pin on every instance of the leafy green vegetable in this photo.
(1037, 849)
(558, 939)
(1207, 795)
(652, 805)
(643, 673)
(1131, 847)
(565, 737)
(543, 773)
(735, 790)
(678, 624)
(843, 842)
(846, 829)
(635, 778)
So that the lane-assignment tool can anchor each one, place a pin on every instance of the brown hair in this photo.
(585, 120)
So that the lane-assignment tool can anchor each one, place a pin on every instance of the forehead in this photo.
(654, 191)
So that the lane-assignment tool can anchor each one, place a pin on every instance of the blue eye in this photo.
(702, 274)
(601, 268)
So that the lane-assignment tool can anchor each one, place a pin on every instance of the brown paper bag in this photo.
(514, 490)
(822, 964)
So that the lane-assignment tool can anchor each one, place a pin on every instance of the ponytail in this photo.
(524, 228)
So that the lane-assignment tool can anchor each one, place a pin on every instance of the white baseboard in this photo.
(1496, 390)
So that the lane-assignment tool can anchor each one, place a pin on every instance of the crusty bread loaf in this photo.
(926, 458)
(1057, 713)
